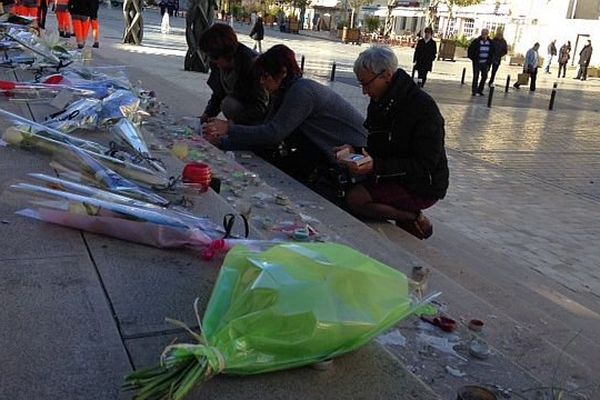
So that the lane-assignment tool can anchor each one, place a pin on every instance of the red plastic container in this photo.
(198, 174)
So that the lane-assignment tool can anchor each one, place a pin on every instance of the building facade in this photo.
(523, 22)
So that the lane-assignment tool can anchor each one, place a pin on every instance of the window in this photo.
(452, 27)
(468, 27)
(494, 26)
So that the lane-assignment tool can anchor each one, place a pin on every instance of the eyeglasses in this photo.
(367, 83)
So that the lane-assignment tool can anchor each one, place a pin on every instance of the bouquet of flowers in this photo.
(78, 163)
(20, 126)
(289, 306)
(128, 133)
(81, 114)
(32, 42)
(105, 213)
(118, 105)
(36, 91)
(101, 83)
(30, 135)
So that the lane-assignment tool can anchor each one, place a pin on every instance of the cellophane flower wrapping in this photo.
(149, 225)
(81, 114)
(77, 162)
(119, 104)
(297, 304)
(288, 306)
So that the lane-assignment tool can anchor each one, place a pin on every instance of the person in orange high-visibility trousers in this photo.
(95, 4)
(63, 18)
(17, 8)
(80, 11)
(28, 8)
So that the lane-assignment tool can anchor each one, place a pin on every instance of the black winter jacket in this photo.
(406, 139)
(258, 30)
(499, 50)
(473, 51)
(247, 89)
(425, 53)
(80, 7)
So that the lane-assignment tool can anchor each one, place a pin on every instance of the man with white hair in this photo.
(480, 53)
(405, 159)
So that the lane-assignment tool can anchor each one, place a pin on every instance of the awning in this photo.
(400, 12)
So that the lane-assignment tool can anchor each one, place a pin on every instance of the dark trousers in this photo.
(564, 69)
(532, 78)
(42, 12)
(582, 73)
(422, 76)
(494, 70)
(479, 69)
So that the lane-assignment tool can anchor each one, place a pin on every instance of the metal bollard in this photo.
(490, 96)
(464, 73)
(507, 84)
(332, 77)
(553, 96)
(302, 64)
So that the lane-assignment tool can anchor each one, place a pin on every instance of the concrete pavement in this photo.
(515, 241)
(523, 194)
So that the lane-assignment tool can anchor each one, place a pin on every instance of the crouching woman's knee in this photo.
(357, 198)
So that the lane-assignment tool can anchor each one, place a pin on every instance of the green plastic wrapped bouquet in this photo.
(288, 306)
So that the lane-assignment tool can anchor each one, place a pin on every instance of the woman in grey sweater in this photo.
(305, 120)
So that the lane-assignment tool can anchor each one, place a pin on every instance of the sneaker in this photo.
(80, 46)
(480, 94)
(96, 45)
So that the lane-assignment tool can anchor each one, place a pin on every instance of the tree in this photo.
(356, 5)
(432, 8)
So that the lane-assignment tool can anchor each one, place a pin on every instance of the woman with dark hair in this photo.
(236, 91)
(305, 121)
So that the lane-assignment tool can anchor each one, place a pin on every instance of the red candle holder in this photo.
(197, 174)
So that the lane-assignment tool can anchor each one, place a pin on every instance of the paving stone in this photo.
(369, 373)
(59, 338)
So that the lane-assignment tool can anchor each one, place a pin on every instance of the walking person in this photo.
(480, 53)
(551, 53)
(258, 32)
(425, 53)
(530, 66)
(27, 8)
(585, 55)
(80, 11)
(500, 48)
(63, 18)
(563, 58)
(94, 5)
